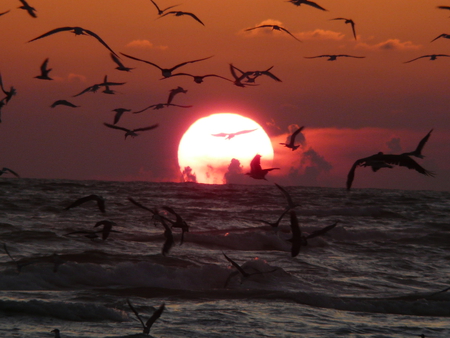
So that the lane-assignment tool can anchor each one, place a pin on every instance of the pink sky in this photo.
(351, 108)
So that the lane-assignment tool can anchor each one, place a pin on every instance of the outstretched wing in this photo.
(53, 31)
(136, 313)
(322, 231)
(116, 127)
(91, 33)
(147, 128)
(155, 316)
(245, 274)
(137, 59)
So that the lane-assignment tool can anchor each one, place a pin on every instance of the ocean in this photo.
(383, 271)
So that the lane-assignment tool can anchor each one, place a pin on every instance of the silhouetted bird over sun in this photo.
(256, 171)
(229, 136)
(291, 143)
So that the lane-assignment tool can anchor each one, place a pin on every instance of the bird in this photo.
(161, 11)
(320, 232)
(76, 31)
(333, 57)
(94, 88)
(119, 113)
(120, 65)
(256, 171)
(107, 228)
(174, 92)
(9, 94)
(160, 106)
(238, 79)
(178, 223)
(63, 103)
(156, 314)
(296, 239)
(168, 243)
(445, 36)
(418, 151)
(57, 333)
(156, 215)
(351, 22)
(199, 78)
(277, 222)
(7, 170)
(306, 2)
(252, 75)
(229, 136)
(290, 201)
(31, 10)
(99, 199)
(381, 160)
(166, 72)
(44, 71)
(291, 143)
(274, 27)
(431, 56)
(180, 13)
(131, 132)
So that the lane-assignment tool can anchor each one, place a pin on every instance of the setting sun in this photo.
(211, 143)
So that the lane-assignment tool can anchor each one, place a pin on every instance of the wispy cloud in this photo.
(320, 34)
(390, 44)
(145, 44)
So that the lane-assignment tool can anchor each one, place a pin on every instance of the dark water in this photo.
(378, 273)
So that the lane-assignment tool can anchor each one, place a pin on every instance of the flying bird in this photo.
(431, 56)
(180, 13)
(297, 240)
(94, 88)
(229, 136)
(350, 21)
(99, 199)
(130, 132)
(160, 106)
(9, 94)
(63, 103)
(274, 27)
(7, 170)
(277, 222)
(25, 6)
(166, 72)
(168, 243)
(178, 223)
(161, 11)
(418, 151)
(76, 31)
(105, 231)
(119, 113)
(256, 171)
(306, 2)
(120, 65)
(174, 92)
(291, 143)
(147, 326)
(44, 71)
(445, 36)
(381, 160)
(238, 79)
(199, 78)
(290, 201)
(333, 57)
(321, 232)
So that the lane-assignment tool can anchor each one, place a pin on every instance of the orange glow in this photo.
(209, 156)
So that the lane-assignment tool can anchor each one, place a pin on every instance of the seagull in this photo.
(10, 94)
(97, 86)
(252, 75)
(161, 11)
(296, 239)
(156, 215)
(106, 230)
(229, 136)
(160, 106)
(431, 56)
(238, 79)
(130, 132)
(418, 151)
(200, 78)
(333, 57)
(44, 71)
(291, 143)
(7, 170)
(99, 199)
(350, 21)
(119, 113)
(119, 63)
(76, 31)
(180, 13)
(151, 320)
(256, 171)
(178, 223)
(174, 92)
(56, 332)
(321, 232)
(25, 6)
(166, 72)
(381, 160)
(446, 36)
(306, 2)
(63, 103)
(274, 27)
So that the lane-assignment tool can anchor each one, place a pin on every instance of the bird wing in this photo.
(321, 231)
(351, 173)
(220, 135)
(44, 66)
(4, 12)
(255, 164)
(11, 171)
(147, 128)
(353, 28)
(137, 59)
(116, 127)
(7, 252)
(1, 85)
(169, 240)
(406, 161)
(83, 200)
(294, 135)
(244, 131)
(155, 316)
(285, 30)
(185, 63)
(423, 56)
(245, 274)
(288, 197)
(63, 102)
(422, 142)
(91, 33)
(53, 31)
(136, 313)
(313, 4)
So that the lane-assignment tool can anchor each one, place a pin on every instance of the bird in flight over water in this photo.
(44, 71)
(350, 21)
(274, 27)
(99, 199)
(432, 57)
(147, 326)
(418, 151)
(256, 171)
(180, 13)
(130, 132)
(381, 160)
(76, 31)
(229, 136)
(7, 170)
(291, 143)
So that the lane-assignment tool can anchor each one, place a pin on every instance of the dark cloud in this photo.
(235, 174)
(188, 175)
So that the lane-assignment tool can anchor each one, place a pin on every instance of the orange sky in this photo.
(351, 108)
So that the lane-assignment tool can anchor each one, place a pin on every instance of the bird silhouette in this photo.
(418, 151)
(306, 2)
(178, 223)
(94, 88)
(200, 78)
(445, 36)
(76, 31)
(256, 171)
(130, 132)
(44, 71)
(180, 13)
(432, 57)
(120, 65)
(291, 143)
(7, 170)
(63, 103)
(381, 160)
(119, 113)
(99, 199)
(156, 314)
(31, 10)
(161, 11)
(274, 27)
(174, 92)
(9, 94)
(158, 106)
(229, 136)
(350, 21)
(333, 57)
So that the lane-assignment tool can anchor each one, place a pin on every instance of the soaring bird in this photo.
(120, 65)
(63, 103)
(25, 6)
(76, 31)
(161, 11)
(320, 232)
(166, 72)
(94, 88)
(445, 36)
(431, 56)
(44, 71)
(180, 13)
(158, 106)
(350, 21)
(418, 151)
(178, 223)
(274, 27)
(333, 57)
(229, 136)
(105, 231)
(146, 327)
(130, 132)
(200, 78)
(7, 170)
(238, 79)
(381, 160)
(256, 171)
(306, 2)
(99, 199)
(119, 113)
(291, 143)
(174, 92)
